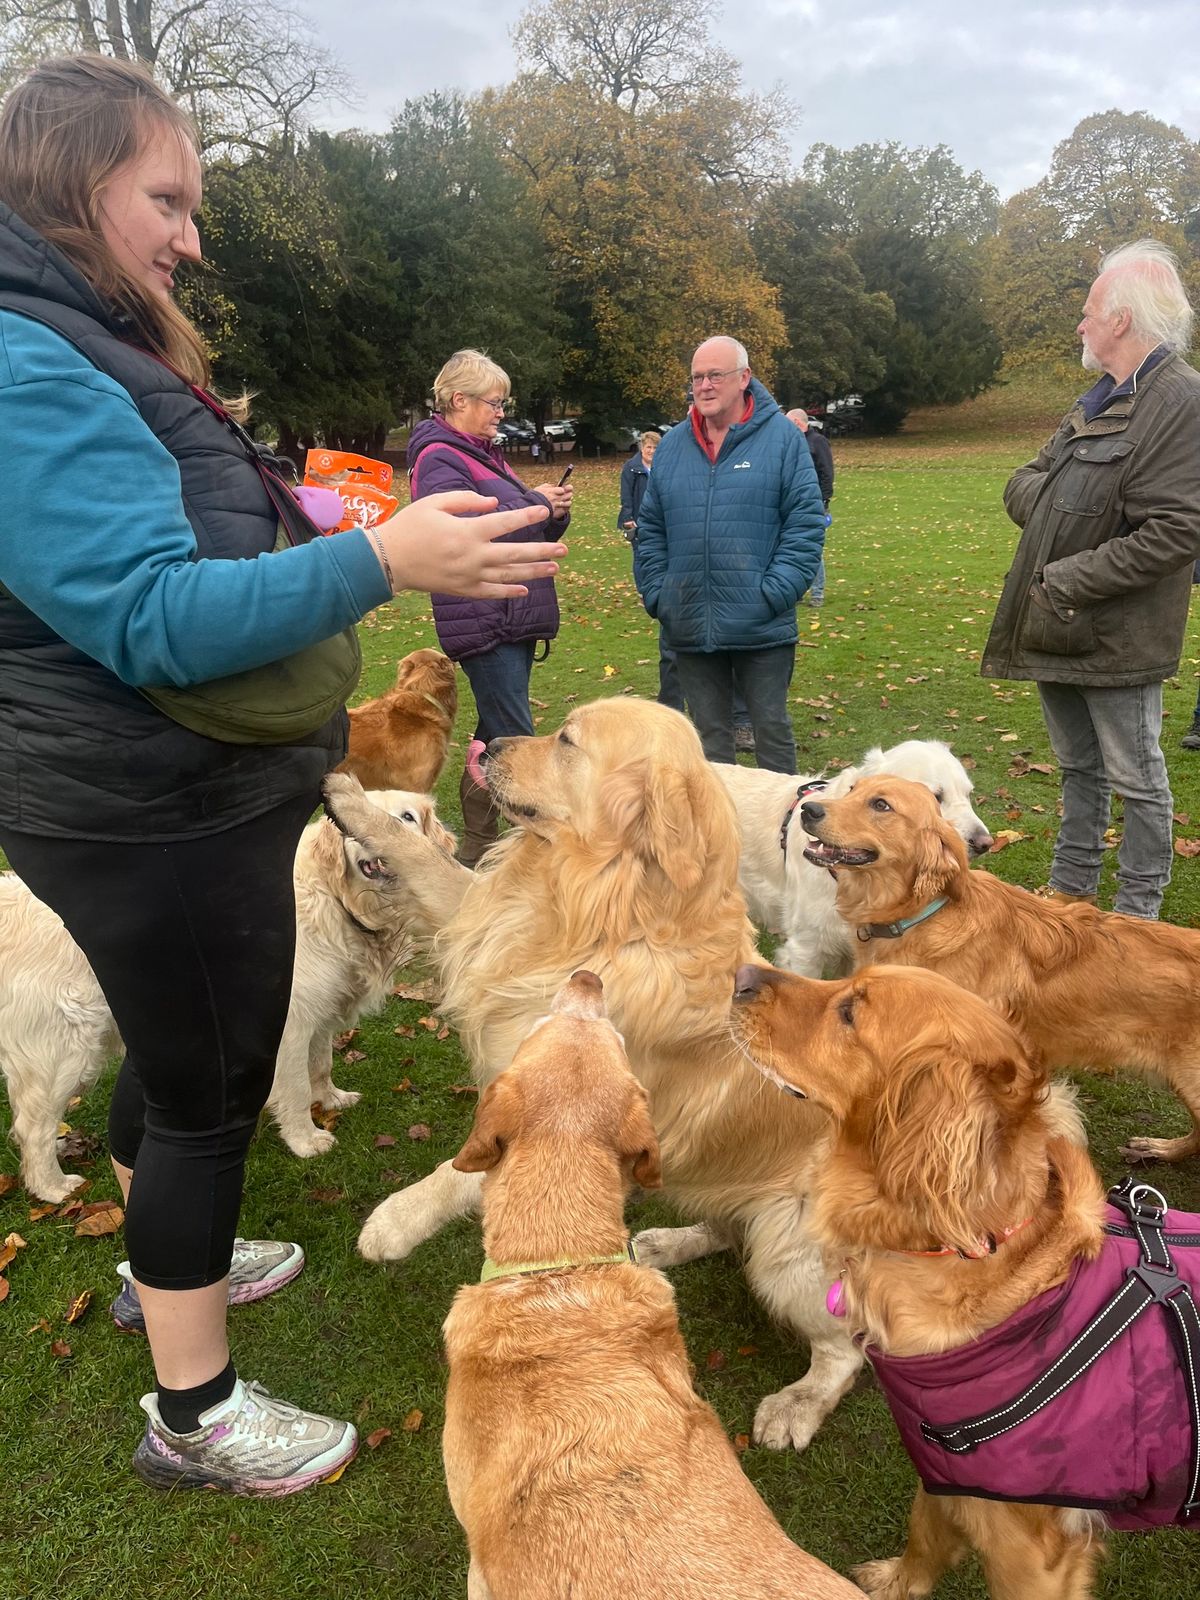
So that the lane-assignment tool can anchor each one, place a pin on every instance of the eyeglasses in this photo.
(712, 378)
(495, 405)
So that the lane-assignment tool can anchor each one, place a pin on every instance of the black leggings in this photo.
(193, 944)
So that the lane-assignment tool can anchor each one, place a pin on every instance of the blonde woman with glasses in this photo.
(494, 640)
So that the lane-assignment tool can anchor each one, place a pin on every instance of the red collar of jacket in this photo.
(700, 426)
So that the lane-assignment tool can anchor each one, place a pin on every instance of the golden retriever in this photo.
(1090, 988)
(948, 1135)
(401, 739)
(579, 1459)
(623, 859)
(56, 1031)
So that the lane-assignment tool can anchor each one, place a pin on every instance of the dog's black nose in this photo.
(811, 811)
(749, 981)
(493, 748)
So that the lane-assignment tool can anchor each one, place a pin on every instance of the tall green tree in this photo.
(915, 222)
(836, 331)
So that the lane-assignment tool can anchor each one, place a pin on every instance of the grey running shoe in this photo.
(743, 737)
(250, 1444)
(258, 1268)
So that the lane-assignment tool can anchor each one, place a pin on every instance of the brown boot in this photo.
(481, 820)
(1062, 898)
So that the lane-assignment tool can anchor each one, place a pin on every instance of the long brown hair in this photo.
(64, 131)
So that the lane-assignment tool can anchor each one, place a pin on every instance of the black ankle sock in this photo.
(180, 1408)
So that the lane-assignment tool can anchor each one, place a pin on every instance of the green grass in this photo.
(917, 554)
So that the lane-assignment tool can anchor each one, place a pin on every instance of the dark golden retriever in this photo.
(946, 1133)
(579, 1459)
(1090, 988)
(401, 739)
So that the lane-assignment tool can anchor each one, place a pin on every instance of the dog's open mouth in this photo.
(836, 855)
(372, 868)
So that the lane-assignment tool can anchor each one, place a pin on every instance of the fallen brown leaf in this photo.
(355, 1055)
(464, 1088)
(405, 1032)
(7, 1183)
(9, 1248)
(415, 991)
(741, 1442)
(326, 1117)
(402, 1087)
(413, 1421)
(326, 1197)
(98, 1221)
(1005, 837)
(78, 1307)
(1187, 847)
(341, 1040)
(61, 1349)
(36, 1213)
(384, 1141)
(40, 1326)
(419, 1130)
(432, 1022)
(716, 1361)
(374, 1440)
(747, 1349)
(444, 1031)
(4, 1287)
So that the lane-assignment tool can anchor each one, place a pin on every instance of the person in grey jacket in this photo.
(729, 538)
(1095, 603)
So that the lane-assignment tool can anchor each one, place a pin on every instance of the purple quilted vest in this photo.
(441, 459)
(1120, 1438)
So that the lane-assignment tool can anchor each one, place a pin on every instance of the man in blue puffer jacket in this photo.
(729, 538)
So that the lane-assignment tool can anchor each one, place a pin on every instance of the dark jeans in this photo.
(193, 944)
(669, 691)
(499, 680)
(763, 677)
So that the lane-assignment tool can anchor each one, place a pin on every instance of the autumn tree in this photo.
(1117, 177)
(246, 69)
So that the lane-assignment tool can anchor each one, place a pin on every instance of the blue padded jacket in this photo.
(726, 549)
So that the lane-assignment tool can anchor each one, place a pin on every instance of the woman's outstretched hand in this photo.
(444, 544)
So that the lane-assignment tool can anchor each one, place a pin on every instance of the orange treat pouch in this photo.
(362, 483)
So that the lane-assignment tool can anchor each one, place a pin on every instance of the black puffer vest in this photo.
(83, 755)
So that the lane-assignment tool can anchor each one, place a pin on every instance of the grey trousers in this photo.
(1106, 740)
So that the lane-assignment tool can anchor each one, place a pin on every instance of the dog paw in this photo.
(310, 1144)
(1161, 1149)
(786, 1421)
(883, 1580)
(393, 1230)
(335, 1098)
(671, 1247)
(57, 1188)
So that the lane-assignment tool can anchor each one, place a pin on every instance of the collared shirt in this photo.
(700, 426)
(1102, 393)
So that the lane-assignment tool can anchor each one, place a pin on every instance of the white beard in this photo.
(1091, 362)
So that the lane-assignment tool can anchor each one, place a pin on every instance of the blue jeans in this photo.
(763, 677)
(499, 680)
(816, 590)
(1107, 739)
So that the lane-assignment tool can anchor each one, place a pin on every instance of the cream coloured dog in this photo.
(789, 896)
(352, 932)
(623, 860)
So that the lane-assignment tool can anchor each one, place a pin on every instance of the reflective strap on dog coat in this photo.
(1090, 1397)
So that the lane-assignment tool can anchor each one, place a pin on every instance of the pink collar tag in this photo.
(834, 1299)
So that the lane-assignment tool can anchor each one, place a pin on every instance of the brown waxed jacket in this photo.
(1110, 511)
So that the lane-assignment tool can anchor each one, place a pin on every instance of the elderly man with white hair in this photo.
(1095, 602)
(729, 537)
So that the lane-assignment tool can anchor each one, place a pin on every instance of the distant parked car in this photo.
(516, 432)
(561, 428)
(846, 415)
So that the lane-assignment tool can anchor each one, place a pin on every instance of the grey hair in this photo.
(1143, 279)
(739, 350)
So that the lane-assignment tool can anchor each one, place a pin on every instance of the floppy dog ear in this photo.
(497, 1123)
(939, 858)
(638, 1143)
(656, 809)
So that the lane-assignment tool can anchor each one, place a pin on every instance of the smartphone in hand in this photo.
(566, 475)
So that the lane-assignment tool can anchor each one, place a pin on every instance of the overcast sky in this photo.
(1000, 84)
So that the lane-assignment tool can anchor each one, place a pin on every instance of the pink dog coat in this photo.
(1088, 1396)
